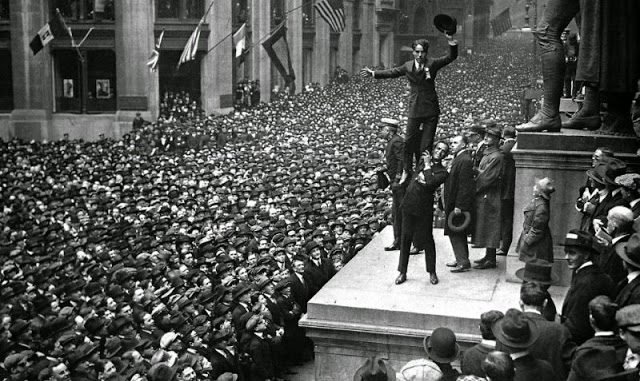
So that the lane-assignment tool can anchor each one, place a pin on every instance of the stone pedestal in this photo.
(564, 157)
(361, 312)
(217, 66)
(137, 88)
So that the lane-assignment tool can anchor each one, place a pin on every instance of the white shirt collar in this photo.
(517, 355)
(604, 333)
(586, 264)
(618, 238)
(488, 343)
(632, 275)
(634, 202)
(417, 64)
(532, 310)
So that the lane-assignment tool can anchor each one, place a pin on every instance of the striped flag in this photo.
(240, 40)
(332, 11)
(55, 28)
(191, 48)
(155, 55)
(501, 23)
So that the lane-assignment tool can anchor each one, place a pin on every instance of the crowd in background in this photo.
(191, 246)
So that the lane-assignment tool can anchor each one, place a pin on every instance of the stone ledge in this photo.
(573, 140)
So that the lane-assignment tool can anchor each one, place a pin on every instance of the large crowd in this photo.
(190, 247)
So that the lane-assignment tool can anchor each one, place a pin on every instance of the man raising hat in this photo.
(588, 282)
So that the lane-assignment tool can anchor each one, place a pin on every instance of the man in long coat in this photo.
(423, 107)
(394, 158)
(535, 240)
(417, 211)
(459, 190)
(488, 199)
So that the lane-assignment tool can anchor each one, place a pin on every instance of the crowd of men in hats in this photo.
(190, 248)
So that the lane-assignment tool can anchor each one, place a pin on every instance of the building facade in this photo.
(97, 88)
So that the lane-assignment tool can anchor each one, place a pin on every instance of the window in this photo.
(308, 13)
(86, 10)
(277, 12)
(180, 9)
(186, 79)
(86, 85)
(356, 15)
(6, 81)
(4, 9)
(240, 12)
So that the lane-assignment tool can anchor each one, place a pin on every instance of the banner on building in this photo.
(55, 28)
(332, 11)
(278, 50)
(240, 41)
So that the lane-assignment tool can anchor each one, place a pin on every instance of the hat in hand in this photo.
(446, 24)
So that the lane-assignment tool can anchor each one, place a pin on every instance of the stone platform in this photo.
(361, 312)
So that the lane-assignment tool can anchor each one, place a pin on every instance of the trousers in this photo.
(416, 140)
(409, 220)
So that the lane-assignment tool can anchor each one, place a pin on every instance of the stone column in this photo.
(216, 67)
(345, 44)
(321, 53)
(261, 63)
(137, 87)
(32, 84)
(369, 43)
(294, 38)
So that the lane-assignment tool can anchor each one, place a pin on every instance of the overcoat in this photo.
(488, 199)
(459, 189)
(535, 240)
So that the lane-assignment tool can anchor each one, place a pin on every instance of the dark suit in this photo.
(423, 107)
(629, 292)
(459, 191)
(300, 291)
(554, 344)
(508, 194)
(417, 215)
(318, 275)
(236, 315)
(394, 156)
(221, 364)
(601, 209)
(596, 344)
(611, 263)
(472, 359)
(529, 368)
(586, 284)
(262, 359)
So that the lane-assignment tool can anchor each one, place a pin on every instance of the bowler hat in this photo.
(600, 364)
(441, 346)
(446, 24)
(459, 222)
(240, 290)
(630, 250)
(493, 130)
(515, 330)
(537, 271)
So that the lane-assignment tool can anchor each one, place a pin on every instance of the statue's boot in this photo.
(588, 117)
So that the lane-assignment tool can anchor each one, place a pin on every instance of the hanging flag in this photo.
(191, 48)
(501, 23)
(55, 28)
(155, 55)
(240, 40)
(277, 48)
(332, 11)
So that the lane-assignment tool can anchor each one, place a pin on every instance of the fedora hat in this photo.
(446, 24)
(630, 250)
(581, 238)
(494, 130)
(390, 122)
(441, 346)
(459, 222)
(515, 330)
(537, 271)
(628, 317)
(614, 168)
(375, 368)
(600, 364)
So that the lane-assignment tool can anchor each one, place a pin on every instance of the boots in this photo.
(617, 119)
(588, 117)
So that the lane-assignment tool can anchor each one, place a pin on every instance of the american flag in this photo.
(191, 48)
(501, 23)
(332, 11)
(155, 55)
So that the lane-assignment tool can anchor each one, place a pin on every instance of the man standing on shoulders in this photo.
(394, 156)
(488, 199)
(459, 190)
(588, 281)
(423, 107)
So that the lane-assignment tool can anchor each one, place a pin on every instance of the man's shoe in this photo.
(481, 260)
(489, 264)
(578, 122)
(541, 123)
(414, 251)
(461, 269)
(501, 252)
(452, 264)
(392, 248)
(433, 278)
(401, 278)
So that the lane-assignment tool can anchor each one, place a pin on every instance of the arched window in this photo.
(420, 21)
